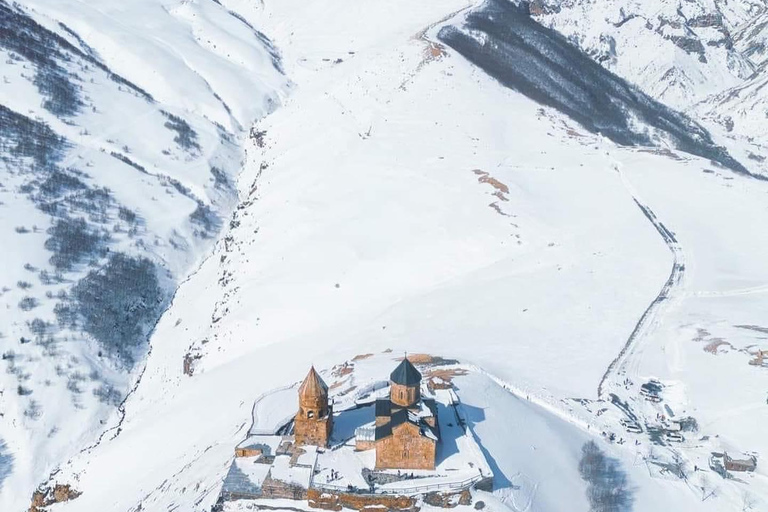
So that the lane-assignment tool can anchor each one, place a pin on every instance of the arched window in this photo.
(310, 414)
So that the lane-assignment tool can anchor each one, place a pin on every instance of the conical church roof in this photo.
(313, 386)
(406, 374)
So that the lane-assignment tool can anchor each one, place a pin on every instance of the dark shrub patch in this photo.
(108, 394)
(117, 304)
(58, 182)
(23, 137)
(71, 241)
(608, 488)
(204, 217)
(28, 303)
(185, 137)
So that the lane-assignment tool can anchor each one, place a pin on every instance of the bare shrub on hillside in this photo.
(185, 137)
(608, 487)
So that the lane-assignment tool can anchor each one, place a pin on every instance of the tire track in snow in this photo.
(651, 315)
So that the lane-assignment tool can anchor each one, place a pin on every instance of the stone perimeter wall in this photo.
(325, 500)
(336, 501)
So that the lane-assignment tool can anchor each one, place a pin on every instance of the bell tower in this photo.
(405, 385)
(314, 421)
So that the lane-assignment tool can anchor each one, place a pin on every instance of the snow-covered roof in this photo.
(267, 444)
(402, 416)
(245, 476)
(284, 472)
(307, 458)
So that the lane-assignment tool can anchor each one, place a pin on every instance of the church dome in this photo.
(406, 374)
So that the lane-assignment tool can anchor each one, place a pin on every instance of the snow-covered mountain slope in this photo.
(120, 133)
(741, 113)
(678, 52)
(403, 199)
(508, 44)
(752, 39)
(705, 57)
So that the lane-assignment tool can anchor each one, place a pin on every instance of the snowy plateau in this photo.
(564, 202)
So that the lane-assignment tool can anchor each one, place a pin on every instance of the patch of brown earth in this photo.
(501, 190)
(713, 346)
(360, 357)
(445, 375)
(342, 370)
(434, 51)
(419, 358)
(487, 178)
(573, 133)
(498, 209)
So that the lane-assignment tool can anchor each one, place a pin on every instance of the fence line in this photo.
(464, 484)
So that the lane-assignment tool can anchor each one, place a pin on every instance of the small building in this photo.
(746, 463)
(406, 432)
(258, 446)
(314, 420)
(760, 358)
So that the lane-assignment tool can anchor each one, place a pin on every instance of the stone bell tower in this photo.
(314, 421)
(405, 385)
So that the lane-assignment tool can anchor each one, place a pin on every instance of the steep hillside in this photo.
(705, 57)
(405, 198)
(121, 143)
(678, 52)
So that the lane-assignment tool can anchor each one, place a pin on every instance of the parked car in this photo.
(631, 426)
(675, 437)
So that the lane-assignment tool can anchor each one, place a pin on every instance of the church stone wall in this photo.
(404, 396)
(405, 449)
(312, 431)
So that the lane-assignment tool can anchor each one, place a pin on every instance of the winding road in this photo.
(670, 293)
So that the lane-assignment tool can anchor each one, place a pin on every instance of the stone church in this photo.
(314, 420)
(406, 431)
(404, 435)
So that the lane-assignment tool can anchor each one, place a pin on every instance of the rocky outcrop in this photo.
(44, 497)
(541, 7)
(448, 500)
